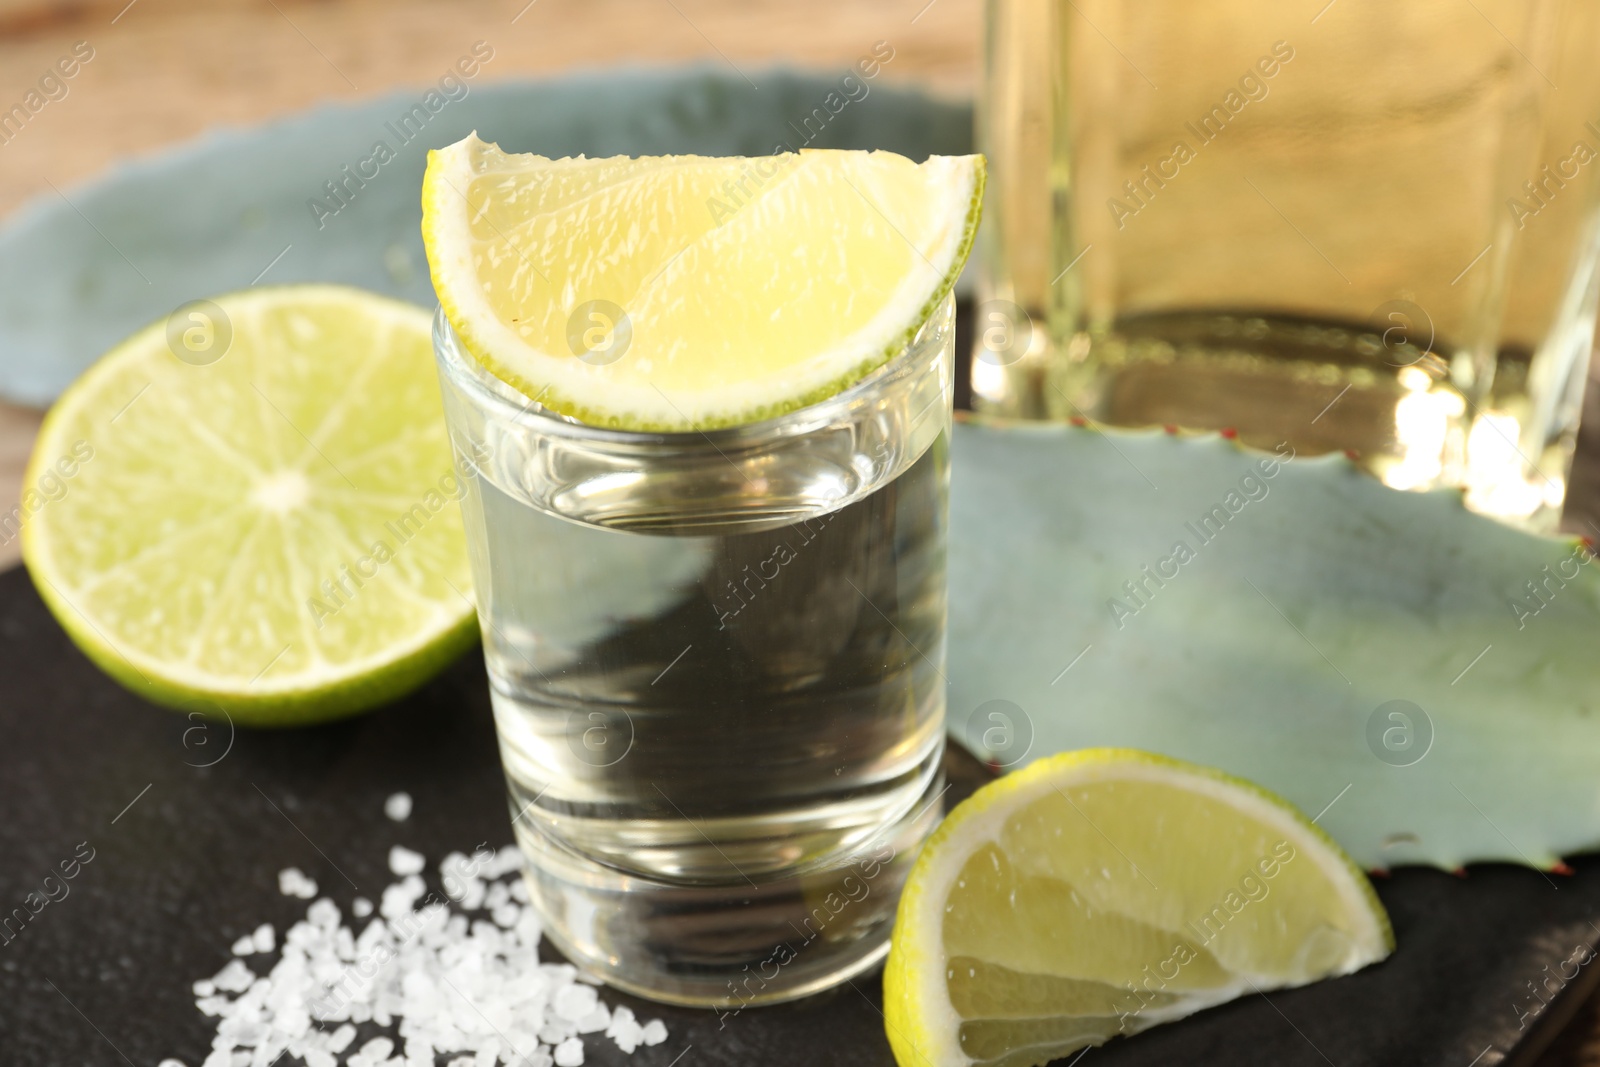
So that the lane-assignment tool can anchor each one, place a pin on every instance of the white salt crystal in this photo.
(560, 973)
(569, 1053)
(244, 946)
(170, 1063)
(654, 1032)
(519, 891)
(596, 1020)
(455, 870)
(506, 915)
(403, 861)
(398, 898)
(555, 1031)
(625, 1030)
(398, 806)
(263, 938)
(324, 914)
(627, 1038)
(361, 907)
(293, 882)
(573, 1002)
(213, 1006)
(507, 861)
(378, 1048)
(204, 987)
(340, 1039)
(234, 978)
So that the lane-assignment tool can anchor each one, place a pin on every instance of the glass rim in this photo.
(507, 404)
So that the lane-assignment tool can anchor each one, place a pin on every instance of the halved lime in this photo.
(1102, 892)
(250, 507)
(686, 292)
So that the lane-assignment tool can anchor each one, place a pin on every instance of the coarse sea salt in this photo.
(398, 807)
(403, 861)
(453, 978)
(259, 941)
(293, 882)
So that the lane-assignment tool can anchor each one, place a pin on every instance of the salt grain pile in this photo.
(445, 986)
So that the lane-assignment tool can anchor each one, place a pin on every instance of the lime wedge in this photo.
(686, 292)
(251, 508)
(1102, 892)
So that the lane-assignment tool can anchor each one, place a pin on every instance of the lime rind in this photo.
(359, 688)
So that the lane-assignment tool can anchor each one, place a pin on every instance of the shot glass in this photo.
(716, 664)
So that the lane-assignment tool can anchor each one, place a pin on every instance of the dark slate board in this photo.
(102, 976)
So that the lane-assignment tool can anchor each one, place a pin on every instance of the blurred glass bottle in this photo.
(1351, 225)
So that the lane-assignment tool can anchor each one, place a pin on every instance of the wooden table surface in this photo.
(165, 70)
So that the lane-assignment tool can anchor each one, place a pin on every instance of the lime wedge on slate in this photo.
(1102, 892)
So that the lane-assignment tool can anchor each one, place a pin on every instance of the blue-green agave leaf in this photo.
(1424, 681)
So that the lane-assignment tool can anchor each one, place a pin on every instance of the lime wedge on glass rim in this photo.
(1104, 891)
(260, 518)
(685, 292)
